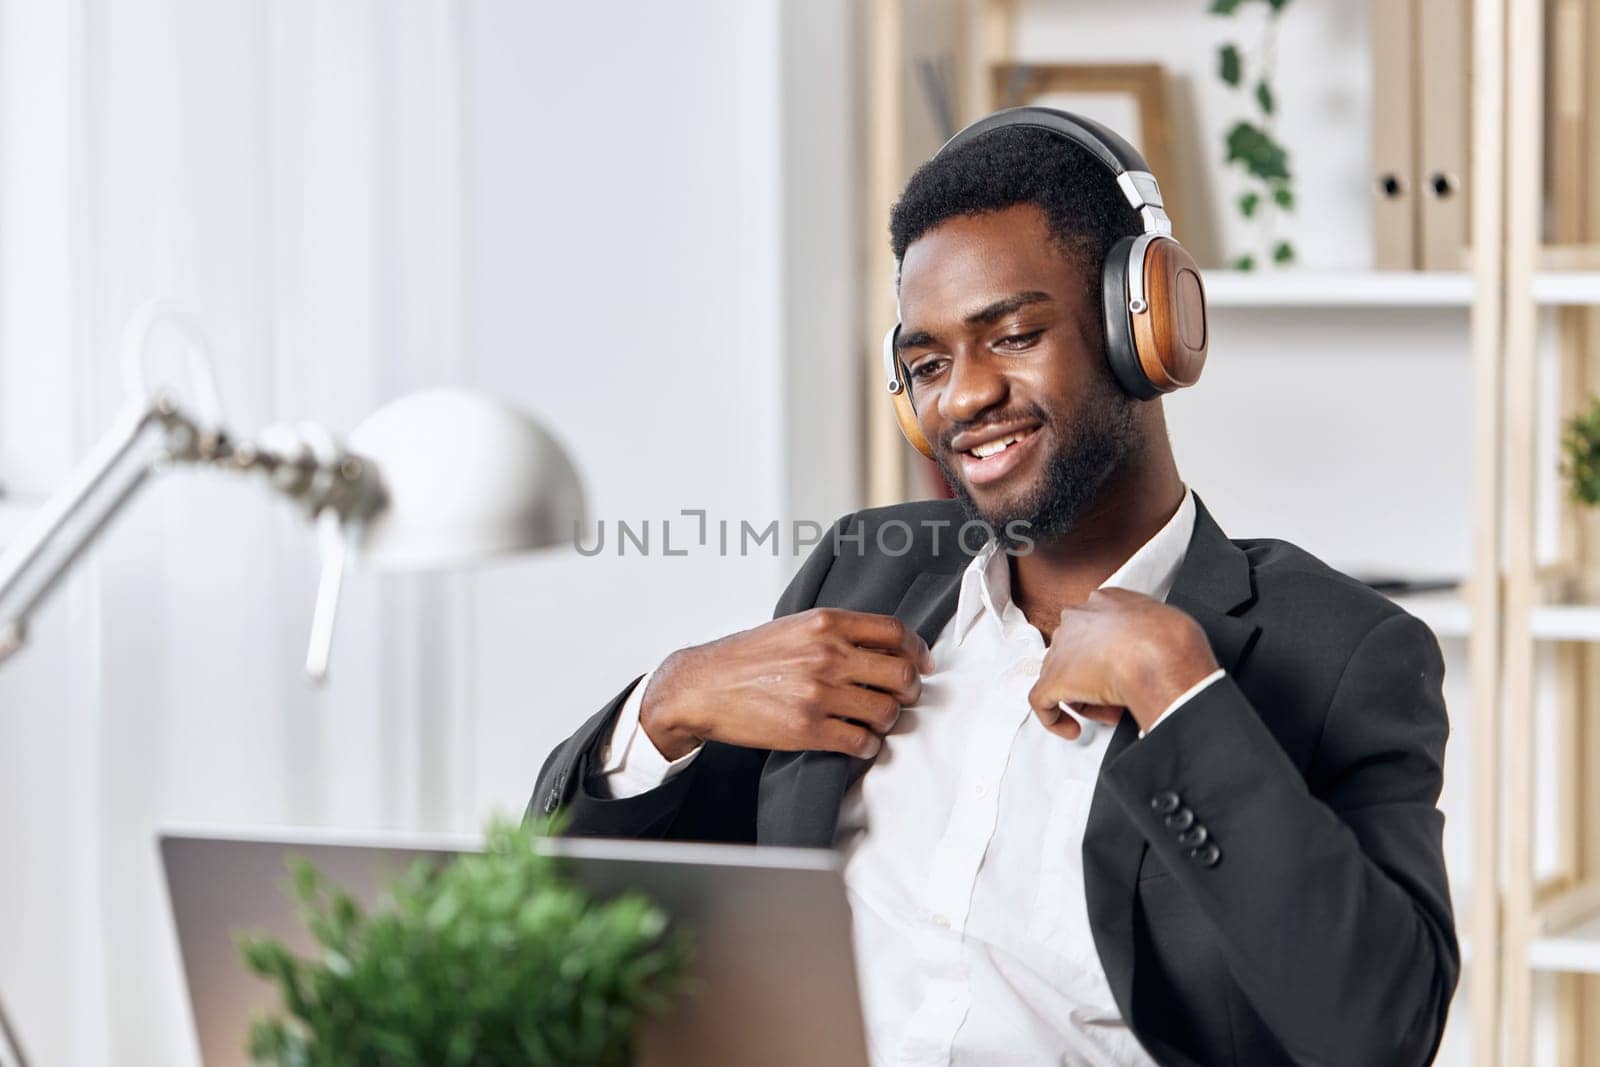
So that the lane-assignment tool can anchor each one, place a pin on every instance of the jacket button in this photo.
(1193, 837)
(1165, 802)
(553, 801)
(1207, 855)
(1181, 819)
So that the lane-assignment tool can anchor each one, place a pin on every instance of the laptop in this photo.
(771, 929)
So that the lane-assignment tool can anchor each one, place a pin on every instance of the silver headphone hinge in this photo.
(1143, 193)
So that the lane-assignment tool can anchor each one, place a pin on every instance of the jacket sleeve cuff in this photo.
(630, 763)
(1184, 698)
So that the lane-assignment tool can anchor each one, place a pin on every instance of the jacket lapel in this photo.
(1213, 582)
(801, 791)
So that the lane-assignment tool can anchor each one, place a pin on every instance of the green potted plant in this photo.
(493, 958)
(1580, 465)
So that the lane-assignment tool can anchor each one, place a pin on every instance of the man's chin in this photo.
(994, 509)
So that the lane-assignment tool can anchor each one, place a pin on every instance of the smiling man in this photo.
(1229, 852)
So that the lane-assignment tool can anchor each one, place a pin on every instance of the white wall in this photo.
(590, 209)
(642, 280)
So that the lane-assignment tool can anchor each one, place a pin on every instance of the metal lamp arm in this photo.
(336, 488)
(22, 556)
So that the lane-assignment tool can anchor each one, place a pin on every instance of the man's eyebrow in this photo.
(985, 316)
(919, 339)
(1001, 308)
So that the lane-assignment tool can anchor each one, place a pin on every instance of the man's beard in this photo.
(1087, 452)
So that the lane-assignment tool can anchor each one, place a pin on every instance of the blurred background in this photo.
(662, 229)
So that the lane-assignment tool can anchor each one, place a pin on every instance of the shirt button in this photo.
(942, 921)
(980, 790)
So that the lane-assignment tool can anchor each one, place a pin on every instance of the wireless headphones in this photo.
(1155, 303)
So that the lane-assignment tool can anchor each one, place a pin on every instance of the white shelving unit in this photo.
(1573, 951)
(1566, 622)
(1333, 289)
(1573, 288)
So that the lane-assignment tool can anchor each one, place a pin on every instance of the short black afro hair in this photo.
(1021, 165)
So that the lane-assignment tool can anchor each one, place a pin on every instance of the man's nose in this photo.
(975, 385)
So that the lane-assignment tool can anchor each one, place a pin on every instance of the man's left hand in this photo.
(1116, 650)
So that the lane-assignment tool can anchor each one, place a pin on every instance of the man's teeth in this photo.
(984, 451)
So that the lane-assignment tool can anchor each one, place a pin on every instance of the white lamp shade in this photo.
(466, 478)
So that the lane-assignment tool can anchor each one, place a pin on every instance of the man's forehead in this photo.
(970, 261)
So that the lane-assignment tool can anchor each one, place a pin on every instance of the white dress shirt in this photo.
(973, 945)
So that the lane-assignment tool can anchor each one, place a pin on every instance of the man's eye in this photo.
(924, 369)
(1019, 340)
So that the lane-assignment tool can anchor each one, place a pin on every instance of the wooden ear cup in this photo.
(907, 416)
(1168, 319)
(905, 412)
(1155, 312)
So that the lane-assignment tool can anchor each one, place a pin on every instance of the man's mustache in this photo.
(999, 418)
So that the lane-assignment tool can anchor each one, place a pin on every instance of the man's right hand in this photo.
(826, 679)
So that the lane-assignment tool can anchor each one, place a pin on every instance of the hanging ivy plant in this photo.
(1250, 144)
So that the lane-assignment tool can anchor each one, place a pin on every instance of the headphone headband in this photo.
(1103, 144)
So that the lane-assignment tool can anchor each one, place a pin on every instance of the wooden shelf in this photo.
(1573, 950)
(1353, 289)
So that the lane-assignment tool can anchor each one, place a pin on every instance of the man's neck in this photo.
(1060, 573)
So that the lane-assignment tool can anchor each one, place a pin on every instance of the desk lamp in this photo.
(438, 479)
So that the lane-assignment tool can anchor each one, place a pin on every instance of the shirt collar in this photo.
(1151, 570)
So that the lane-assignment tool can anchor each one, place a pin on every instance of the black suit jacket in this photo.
(1322, 932)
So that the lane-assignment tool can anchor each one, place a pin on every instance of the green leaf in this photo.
(1245, 263)
(1264, 97)
(1257, 152)
(1223, 7)
(1248, 204)
(1283, 253)
(1230, 67)
(1283, 196)
(1277, 5)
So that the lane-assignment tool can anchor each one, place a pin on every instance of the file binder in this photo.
(1394, 122)
(1443, 43)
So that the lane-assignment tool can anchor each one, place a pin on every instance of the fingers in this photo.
(879, 711)
(1042, 698)
(893, 674)
(836, 735)
(883, 632)
(1058, 721)
(1065, 727)
(1099, 713)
